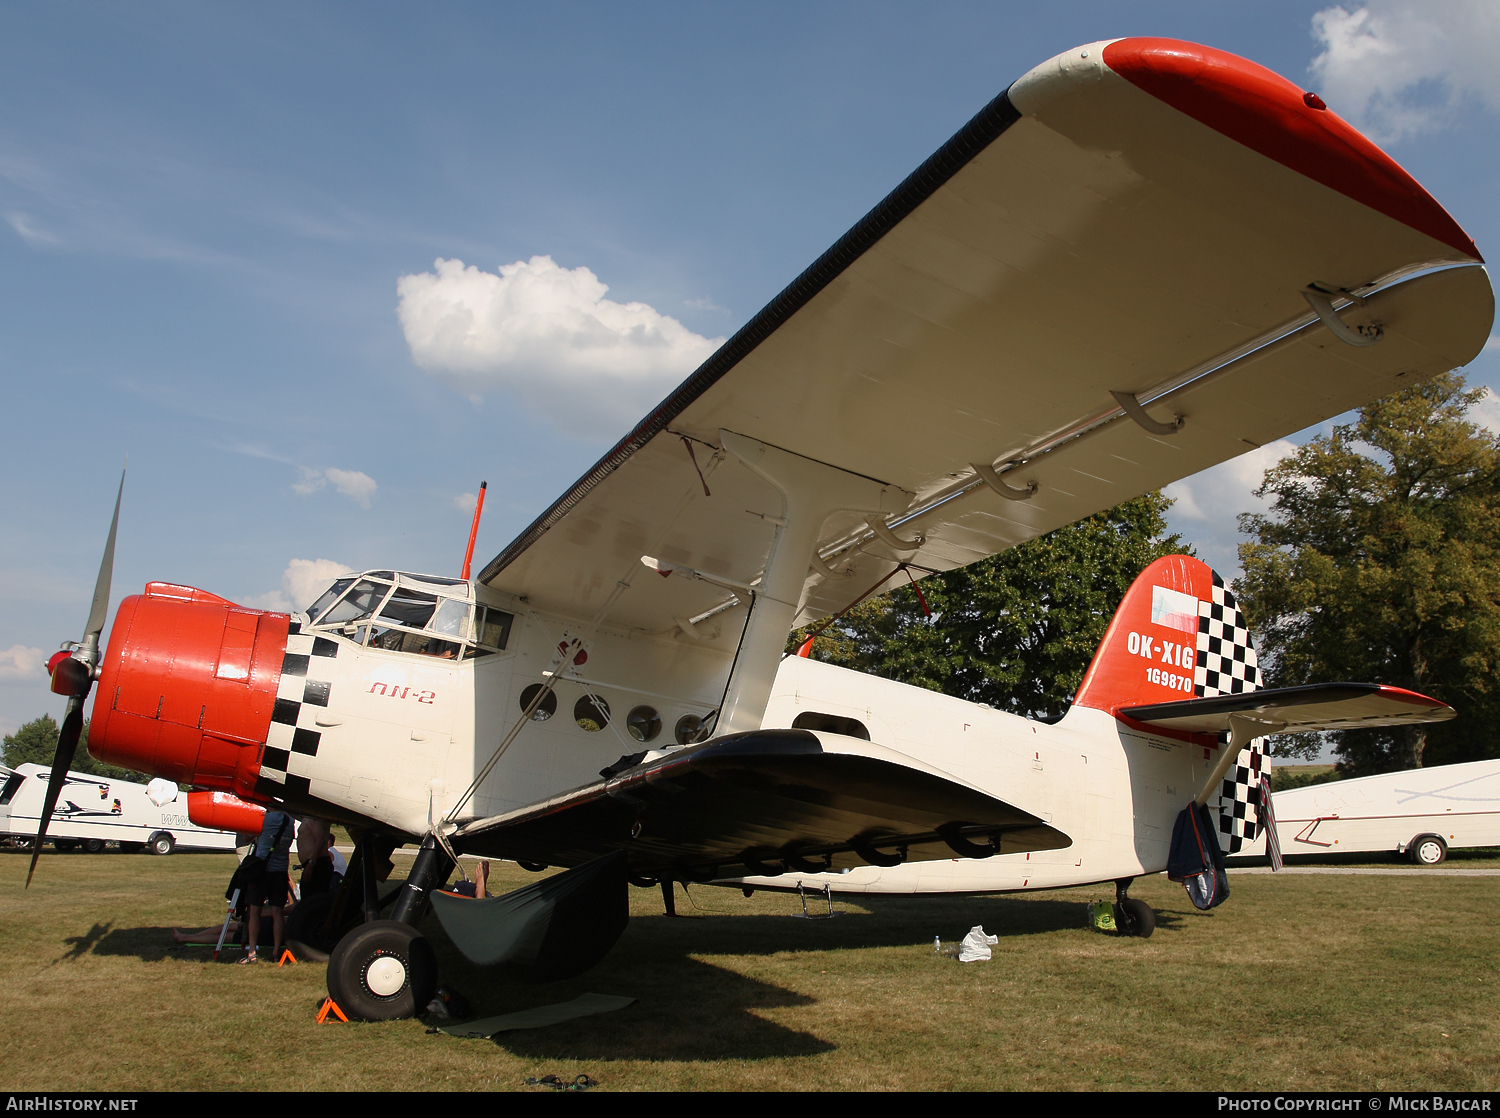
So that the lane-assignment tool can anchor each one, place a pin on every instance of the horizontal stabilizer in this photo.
(1319, 706)
(761, 803)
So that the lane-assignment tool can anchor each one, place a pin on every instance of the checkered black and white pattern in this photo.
(300, 695)
(1240, 815)
(1226, 663)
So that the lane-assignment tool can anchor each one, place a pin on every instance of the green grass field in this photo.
(1296, 983)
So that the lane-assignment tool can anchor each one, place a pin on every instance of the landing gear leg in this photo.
(1132, 917)
(383, 969)
(669, 895)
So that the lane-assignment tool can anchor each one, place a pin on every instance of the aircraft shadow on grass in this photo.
(689, 1007)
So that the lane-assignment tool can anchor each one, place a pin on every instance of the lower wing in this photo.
(764, 802)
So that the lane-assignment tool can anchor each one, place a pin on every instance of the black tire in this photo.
(94, 846)
(161, 843)
(1428, 850)
(1135, 918)
(382, 971)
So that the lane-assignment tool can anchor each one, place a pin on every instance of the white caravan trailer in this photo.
(1422, 813)
(93, 810)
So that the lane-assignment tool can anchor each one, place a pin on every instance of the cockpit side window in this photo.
(396, 616)
(494, 631)
(452, 619)
(326, 599)
(359, 603)
(409, 607)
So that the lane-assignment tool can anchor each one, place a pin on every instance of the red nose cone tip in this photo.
(1268, 114)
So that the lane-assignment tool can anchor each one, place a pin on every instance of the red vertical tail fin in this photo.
(1178, 634)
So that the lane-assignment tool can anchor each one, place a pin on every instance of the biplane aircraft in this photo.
(1141, 259)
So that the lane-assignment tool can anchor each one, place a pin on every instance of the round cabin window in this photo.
(545, 710)
(591, 713)
(690, 730)
(643, 723)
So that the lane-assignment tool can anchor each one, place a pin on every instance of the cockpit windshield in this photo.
(420, 614)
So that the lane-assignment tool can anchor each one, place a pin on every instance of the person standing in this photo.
(267, 892)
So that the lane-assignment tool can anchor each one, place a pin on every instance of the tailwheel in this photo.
(382, 971)
(1132, 917)
(1135, 918)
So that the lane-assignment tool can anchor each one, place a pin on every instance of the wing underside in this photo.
(763, 802)
(1088, 238)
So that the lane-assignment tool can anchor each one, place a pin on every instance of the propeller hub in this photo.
(71, 674)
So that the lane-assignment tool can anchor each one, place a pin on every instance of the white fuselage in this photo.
(404, 735)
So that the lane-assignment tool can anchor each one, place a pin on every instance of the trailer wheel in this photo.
(94, 846)
(161, 843)
(382, 971)
(1428, 850)
(1135, 918)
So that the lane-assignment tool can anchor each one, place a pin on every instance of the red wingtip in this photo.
(1267, 113)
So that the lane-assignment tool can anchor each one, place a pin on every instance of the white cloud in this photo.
(1487, 411)
(358, 487)
(1396, 68)
(26, 228)
(20, 662)
(1208, 504)
(548, 335)
(464, 502)
(301, 583)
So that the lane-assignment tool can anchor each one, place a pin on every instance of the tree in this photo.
(1016, 630)
(36, 742)
(1378, 562)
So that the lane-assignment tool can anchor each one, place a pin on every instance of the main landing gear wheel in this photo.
(1135, 918)
(1429, 850)
(382, 971)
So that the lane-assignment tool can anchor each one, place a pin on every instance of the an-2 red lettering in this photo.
(396, 691)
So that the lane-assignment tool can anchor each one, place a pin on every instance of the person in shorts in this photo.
(321, 872)
(267, 893)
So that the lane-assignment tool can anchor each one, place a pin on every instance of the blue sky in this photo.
(207, 209)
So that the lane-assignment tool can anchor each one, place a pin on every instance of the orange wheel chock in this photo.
(286, 957)
(331, 1007)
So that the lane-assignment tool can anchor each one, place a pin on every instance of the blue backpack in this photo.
(1196, 860)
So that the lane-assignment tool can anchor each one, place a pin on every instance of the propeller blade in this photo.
(106, 569)
(67, 745)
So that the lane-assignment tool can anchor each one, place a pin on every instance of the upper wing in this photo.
(1134, 221)
(762, 802)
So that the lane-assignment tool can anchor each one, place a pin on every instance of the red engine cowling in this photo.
(187, 687)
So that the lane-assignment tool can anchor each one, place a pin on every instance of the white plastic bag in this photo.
(976, 946)
(161, 792)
